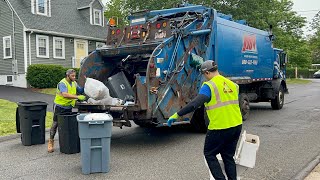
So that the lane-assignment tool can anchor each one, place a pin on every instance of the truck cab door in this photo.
(283, 63)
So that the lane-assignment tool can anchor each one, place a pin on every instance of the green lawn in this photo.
(8, 117)
(51, 91)
(298, 81)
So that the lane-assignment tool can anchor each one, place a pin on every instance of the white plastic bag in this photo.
(96, 89)
(97, 116)
(106, 101)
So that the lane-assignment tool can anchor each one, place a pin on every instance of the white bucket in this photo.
(245, 156)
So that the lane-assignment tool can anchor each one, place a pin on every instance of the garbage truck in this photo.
(155, 60)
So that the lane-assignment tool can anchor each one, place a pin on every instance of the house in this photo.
(47, 32)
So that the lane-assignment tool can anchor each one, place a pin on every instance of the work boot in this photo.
(50, 145)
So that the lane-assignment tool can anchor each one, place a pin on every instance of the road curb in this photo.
(13, 136)
(307, 170)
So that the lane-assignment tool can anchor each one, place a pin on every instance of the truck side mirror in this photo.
(285, 58)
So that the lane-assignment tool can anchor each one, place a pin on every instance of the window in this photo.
(42, 7)
(97, 17)
(58, 48)
(7, 47)
(99, 44)
(42, 43)
(9, 79)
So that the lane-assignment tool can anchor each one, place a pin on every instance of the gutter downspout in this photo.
(29, 37)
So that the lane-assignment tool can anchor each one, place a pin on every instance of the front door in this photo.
(81, 51)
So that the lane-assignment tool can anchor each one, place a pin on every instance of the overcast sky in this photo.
(305, 8)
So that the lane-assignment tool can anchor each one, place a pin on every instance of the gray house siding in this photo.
(91, 46)
(16, 40)
(96, 5)
(5, 30)
(69, 51)
(19, 45)
(85, 14)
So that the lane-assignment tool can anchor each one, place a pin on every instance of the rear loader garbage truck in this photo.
(156, 61)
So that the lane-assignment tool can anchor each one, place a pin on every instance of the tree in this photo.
(315, 39)
(116, 8)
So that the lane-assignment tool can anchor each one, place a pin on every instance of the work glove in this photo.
(81, 97)
(172, 119)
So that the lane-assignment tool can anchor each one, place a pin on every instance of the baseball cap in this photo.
(207, 66)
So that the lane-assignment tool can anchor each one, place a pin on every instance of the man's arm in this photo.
(198, 101)
(203, 97)
(64, 92)
(80, 90)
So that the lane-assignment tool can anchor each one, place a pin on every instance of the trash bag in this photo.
(96, 89)
(106, 101)
(97, 116)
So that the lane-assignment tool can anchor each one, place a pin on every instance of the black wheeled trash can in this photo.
(69, 140)
(30, 121)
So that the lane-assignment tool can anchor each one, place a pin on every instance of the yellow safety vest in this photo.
(223, 109)
(62, 101)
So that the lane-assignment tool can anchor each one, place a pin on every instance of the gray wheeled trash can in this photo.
(95, 138)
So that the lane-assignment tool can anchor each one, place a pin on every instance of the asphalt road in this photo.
(16, 94)
(290, 138)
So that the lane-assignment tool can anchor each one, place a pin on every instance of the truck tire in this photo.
(278, 101)
(244, 106)
(200, 120)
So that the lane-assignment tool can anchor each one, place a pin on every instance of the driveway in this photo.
(16, 94)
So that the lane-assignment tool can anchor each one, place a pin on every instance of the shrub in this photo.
(302, 73)
(46, 76)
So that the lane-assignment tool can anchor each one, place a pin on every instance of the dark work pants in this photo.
(57, 110)
(223, 142)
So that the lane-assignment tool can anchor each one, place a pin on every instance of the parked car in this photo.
(316, 74)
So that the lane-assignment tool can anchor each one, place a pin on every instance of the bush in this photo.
(302, 73)
(46, 76)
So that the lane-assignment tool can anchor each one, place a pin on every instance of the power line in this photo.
(309, 10)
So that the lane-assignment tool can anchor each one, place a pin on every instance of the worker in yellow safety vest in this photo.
(220, 98)
(66, 96)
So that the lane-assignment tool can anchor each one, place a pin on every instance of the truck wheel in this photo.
(278, 101)
(200, 120)
(244, 106)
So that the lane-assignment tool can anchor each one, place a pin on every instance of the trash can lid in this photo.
(32, 103)
(94, 117)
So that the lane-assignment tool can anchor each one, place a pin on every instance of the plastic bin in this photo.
(69, 140)
(95, 138)
(31, 122)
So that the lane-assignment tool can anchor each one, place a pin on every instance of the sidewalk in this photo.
(311, 171)
(315, 174)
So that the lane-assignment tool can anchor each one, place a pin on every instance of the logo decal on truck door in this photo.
(249, 44)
